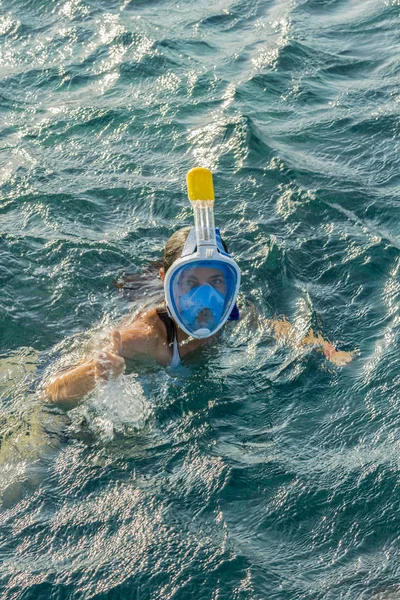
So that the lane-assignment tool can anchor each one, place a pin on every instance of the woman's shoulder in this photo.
(149, 327)
(146, 323)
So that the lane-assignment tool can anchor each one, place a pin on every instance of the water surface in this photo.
(257, 471)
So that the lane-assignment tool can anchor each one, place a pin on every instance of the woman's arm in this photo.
(71, 384)
(284, 329)
(75, 383)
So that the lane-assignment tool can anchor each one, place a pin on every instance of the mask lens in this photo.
(202, 295)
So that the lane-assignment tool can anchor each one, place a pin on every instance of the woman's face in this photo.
(201, 291)
(192, 278)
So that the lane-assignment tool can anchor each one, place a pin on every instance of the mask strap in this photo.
(190, 244)
(220, 245)
(235, 314)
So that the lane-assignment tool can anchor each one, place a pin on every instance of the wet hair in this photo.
(174, 246)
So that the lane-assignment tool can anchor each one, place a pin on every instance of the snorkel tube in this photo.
(202, 285)
(201, 195)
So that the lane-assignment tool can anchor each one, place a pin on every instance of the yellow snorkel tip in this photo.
(200, 184)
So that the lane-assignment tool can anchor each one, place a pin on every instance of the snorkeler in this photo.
(201, 284)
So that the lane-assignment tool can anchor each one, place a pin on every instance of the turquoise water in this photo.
(257, 471)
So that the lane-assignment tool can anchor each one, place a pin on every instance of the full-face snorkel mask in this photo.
(201, 287)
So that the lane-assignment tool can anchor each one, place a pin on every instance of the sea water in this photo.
(257, 470)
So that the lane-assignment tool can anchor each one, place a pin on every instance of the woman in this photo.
(156, 334)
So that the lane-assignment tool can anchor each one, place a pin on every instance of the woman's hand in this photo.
(81, 379)
(284, 329)
(109, 363)
(337, 357)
